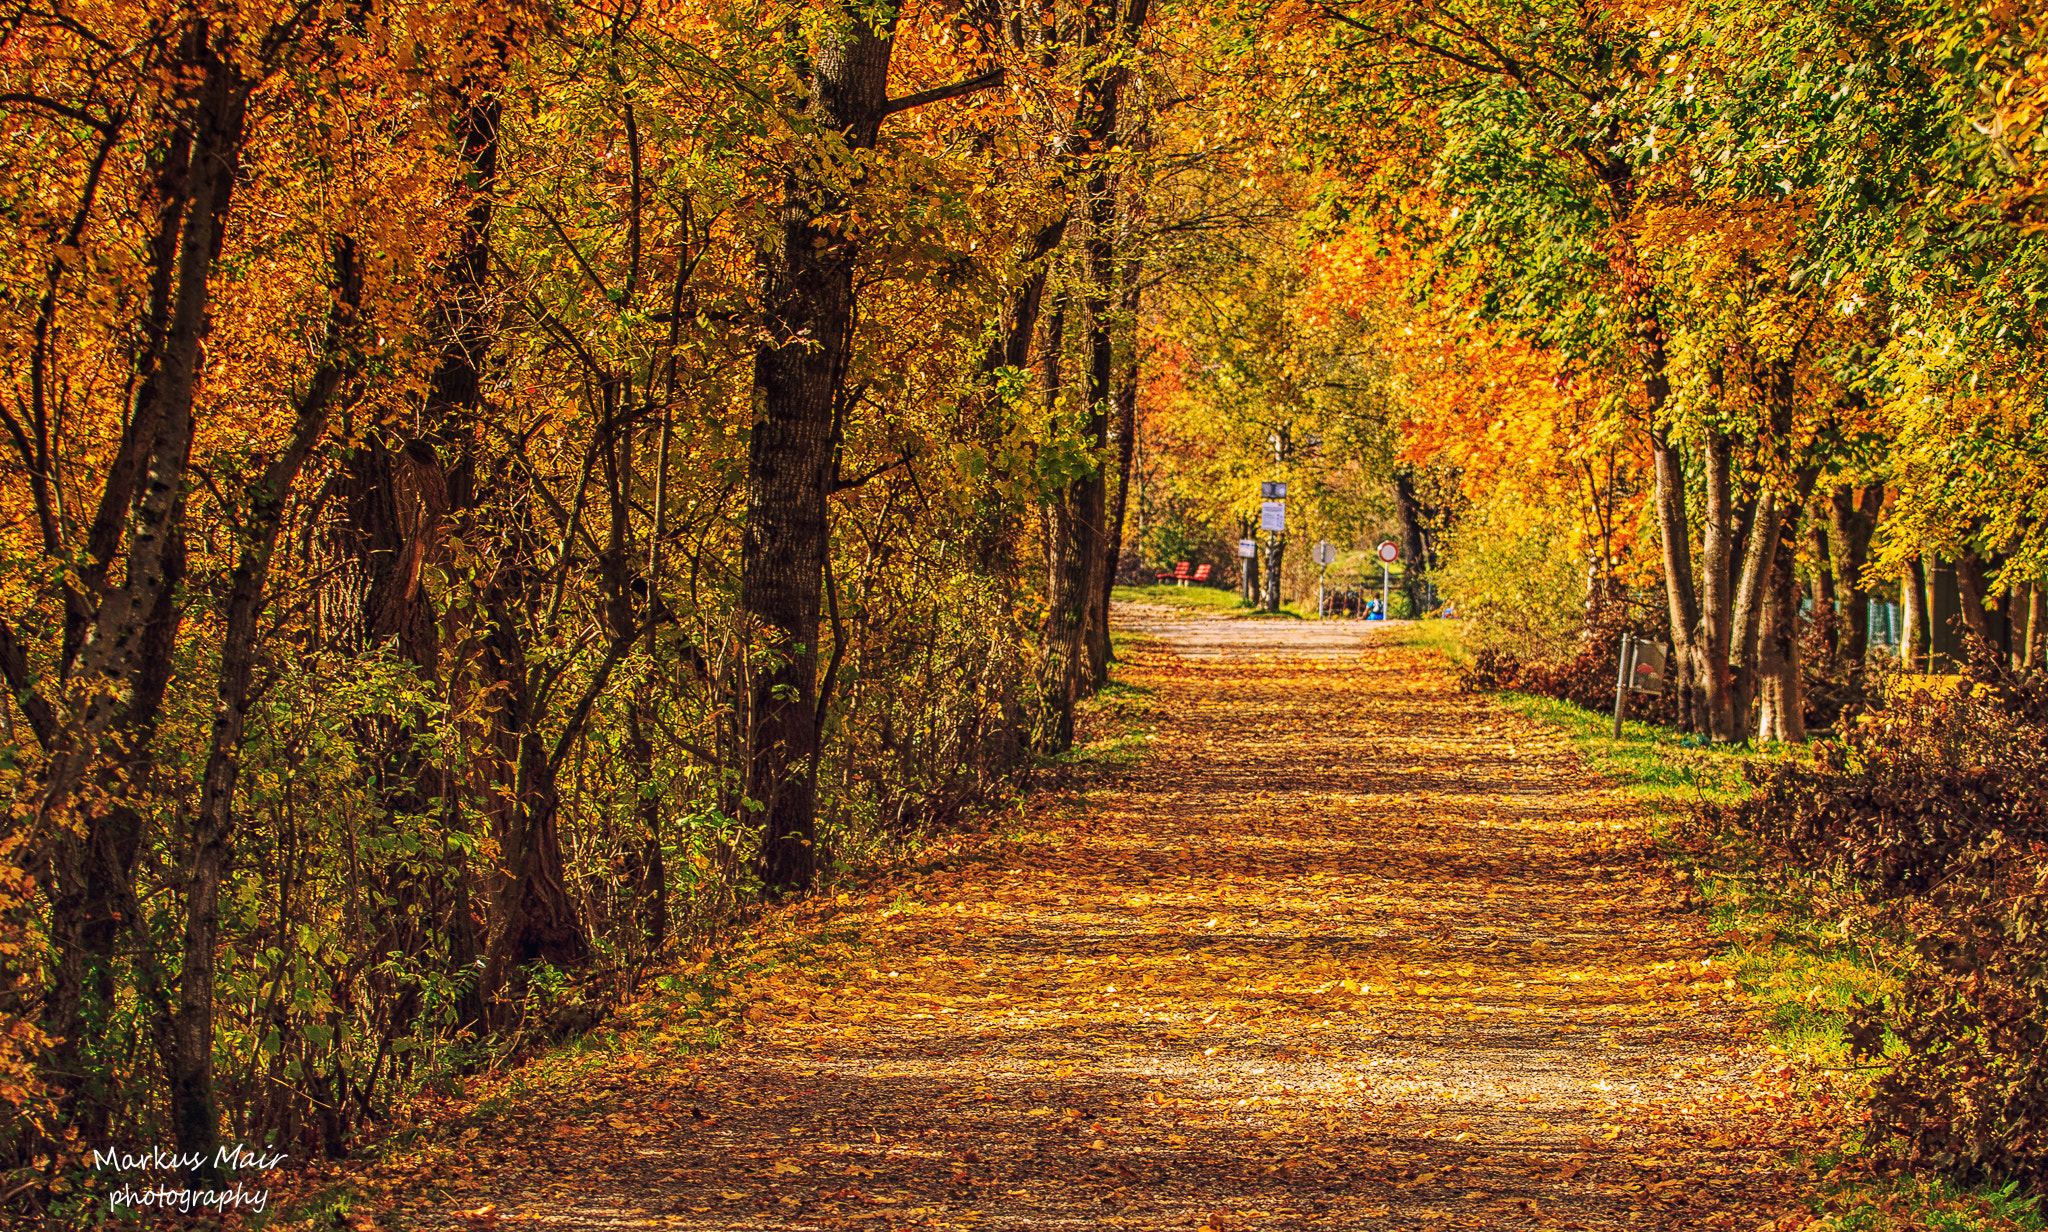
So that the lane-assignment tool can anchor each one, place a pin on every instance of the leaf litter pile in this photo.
(1345, 949)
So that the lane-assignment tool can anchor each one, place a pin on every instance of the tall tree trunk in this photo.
(1124, 423)
(1408, 508)
(808, 313)
(2030, 655)
(1716, 608)
(1913, 617)
(1080, 593)
(1853, 517)
(119, 639)
(531, 908)
(1759, 556)
(1970, 583)
(1064, 591)
(1781, 714)
(1089, 496)
(1827, 611)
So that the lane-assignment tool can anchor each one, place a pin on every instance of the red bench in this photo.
(1182, 576)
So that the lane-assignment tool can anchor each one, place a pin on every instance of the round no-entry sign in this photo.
(1389, 552)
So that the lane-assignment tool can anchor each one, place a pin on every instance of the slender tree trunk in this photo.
(1912, 617)
(1249, 565)
(799, 375)
(193, 1113)
(1408, 508)
(1759, 557)
(1125, 423)
(1688, 640)
(1716, 609)
(1275, 551)
(1827, 611)
(119, 641)
(1781, 714)
(1853, 517)
(2031, 658)
(1112, 292)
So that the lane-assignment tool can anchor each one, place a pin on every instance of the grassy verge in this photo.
(1200, 598)
(1206, 599)
(1115, 725)
(1446, 637)
(1801, 968)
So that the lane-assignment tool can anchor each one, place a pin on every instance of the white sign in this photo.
(1389, 552)
(1273, 515)
(1247, 547)
(1270, 490)
(1326, 553)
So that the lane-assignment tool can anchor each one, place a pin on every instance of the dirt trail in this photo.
(1347, 950)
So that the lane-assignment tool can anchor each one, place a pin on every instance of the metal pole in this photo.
(1621, 685)
(1319, 591)
(1383, 590)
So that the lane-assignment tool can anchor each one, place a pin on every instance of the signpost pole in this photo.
(1273, 518)
(1325, 556)
(1621, 685)
(1389, 553)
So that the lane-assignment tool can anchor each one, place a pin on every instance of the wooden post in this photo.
(1621, 684)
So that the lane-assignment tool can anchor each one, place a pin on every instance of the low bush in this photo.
(1515, 578)
(1929, 824)
(1585, 677)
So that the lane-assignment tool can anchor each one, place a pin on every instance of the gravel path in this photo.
(1345, 950)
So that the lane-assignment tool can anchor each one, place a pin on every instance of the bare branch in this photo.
(972, 85)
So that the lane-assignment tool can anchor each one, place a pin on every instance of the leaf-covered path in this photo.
(1346, 950)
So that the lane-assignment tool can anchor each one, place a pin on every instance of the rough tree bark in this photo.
(808, 314)
(1970, 575)
(118, 638)
(1124, 429)
(1079, 597)
(1123, 420)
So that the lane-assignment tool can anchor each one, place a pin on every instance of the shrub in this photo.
(1585, 677)
(1512, 572)
(1932, 814)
